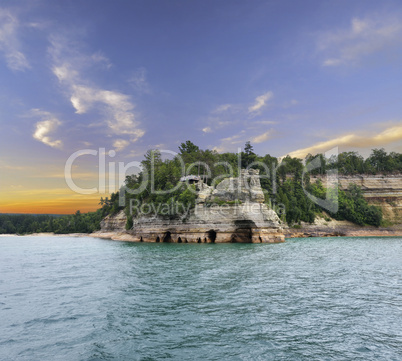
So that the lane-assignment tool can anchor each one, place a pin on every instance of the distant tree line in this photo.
(63, 224)
(350, 163)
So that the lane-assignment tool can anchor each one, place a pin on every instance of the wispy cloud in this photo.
(9, 44)
(233, 142)
(116, 109)
(120, 144)
(216, 123)
(222, 108)
(44, 128)
(265, 122)
(139, 81)
(362, 38)
(230, 143)
(387, 136)
(230, 114)
(6, 165)
(262, 137)
(99, 58)
(260, 102)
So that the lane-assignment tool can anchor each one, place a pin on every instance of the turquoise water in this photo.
(67, 298)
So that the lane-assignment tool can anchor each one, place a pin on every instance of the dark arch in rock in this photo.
(141, 240)
(199, 240)
(243, 232)
(167, 237)
(212, 235)
(158, 239)
(179, 240)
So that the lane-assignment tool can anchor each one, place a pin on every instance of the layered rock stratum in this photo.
(233, 211)
(243, 216)
(384, 191)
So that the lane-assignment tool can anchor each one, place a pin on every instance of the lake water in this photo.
(65, 298)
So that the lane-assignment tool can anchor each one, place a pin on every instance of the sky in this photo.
(113, 79)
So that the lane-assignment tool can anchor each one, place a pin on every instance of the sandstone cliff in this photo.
(333, 228)
(233, 211)
(384, 191)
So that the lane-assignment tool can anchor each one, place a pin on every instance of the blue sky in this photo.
(290, 76)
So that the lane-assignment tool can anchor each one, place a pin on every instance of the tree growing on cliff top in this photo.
(248, 156)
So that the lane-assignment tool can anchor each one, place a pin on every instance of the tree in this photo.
(248, 148)
(248, 156)
(188, 147)
(378, 159)
(153, 159)
(373, 216)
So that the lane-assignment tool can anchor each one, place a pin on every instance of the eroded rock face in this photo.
(232, 212)
(244, 223)
(246, 188)
(384, 191)
(115, 222)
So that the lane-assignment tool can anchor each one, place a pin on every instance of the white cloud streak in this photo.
(229, 114)
(262, 137)
(116, 108)
(260, 102)
(235, 141)
(45, 127)
(222, 108)
(9, 43)
(229, 143)
(120, 144)
(362, 38)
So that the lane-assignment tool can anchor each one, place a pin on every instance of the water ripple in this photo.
(306, 299)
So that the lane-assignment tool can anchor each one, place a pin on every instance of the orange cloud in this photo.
(387, 136)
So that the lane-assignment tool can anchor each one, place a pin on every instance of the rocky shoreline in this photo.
(303, 232)
(333, 228)
(342, 232)
(320, 228)
(306, 232)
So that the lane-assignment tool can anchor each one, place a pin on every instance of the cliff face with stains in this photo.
(249, 219)
(233, 211)
(384, 191)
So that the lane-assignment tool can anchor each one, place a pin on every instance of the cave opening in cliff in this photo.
(157, 239)
(179, 240)
(167, 237)
(212, 235)
(141, 240)
(243, 232)
(199, 240)
(242, 235)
